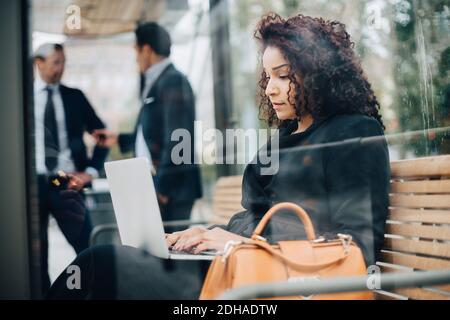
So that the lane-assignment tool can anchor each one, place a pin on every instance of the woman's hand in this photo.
(214, 239)
(177, 239)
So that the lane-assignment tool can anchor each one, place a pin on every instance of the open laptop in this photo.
(137, 211)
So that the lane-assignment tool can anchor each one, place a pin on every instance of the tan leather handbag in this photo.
(255, 261)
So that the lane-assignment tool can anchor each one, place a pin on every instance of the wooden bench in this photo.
(226, 200)
(418, 228)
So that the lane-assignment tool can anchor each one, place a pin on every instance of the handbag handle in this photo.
(310, 234)
(301, 266)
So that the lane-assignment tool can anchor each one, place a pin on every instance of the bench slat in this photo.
(425, 186)
(226, 199)
(415, 262)
(421, 294)
(220, 198)
(409, 230)
(421, 167)
(218, 220)
(391, 268)
(384, 295)
(416, 215)
(422, 247)
(412, 292)
(228, 191)
(225, 212)
(227, 206)
(231, 181)
(419, 201)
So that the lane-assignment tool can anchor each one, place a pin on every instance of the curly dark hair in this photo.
(327, 75)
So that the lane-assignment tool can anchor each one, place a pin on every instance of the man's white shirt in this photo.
(151, 75)
(65, 161)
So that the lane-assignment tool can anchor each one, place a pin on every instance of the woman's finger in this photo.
(193, 241)
(181, 244)
(184, 237)
(202, 247)
(177, 245)
(180, 240)
(172, 239)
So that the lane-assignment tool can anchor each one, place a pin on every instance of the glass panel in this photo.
(403, 46)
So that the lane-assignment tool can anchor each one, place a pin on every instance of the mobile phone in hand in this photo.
(59, 181)
(102, 137)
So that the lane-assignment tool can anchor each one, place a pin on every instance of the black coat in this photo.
(81, 117)
(344, 187)
(169, 105)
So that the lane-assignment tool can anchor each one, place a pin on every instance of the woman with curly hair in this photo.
(314, 90)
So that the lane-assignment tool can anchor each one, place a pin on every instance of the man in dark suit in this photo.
(62, 115)
(168, 104)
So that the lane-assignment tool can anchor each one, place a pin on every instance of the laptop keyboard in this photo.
(206, 252)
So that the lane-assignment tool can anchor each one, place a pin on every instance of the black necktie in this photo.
(51, 133)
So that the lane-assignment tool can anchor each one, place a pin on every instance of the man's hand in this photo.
(214, 239)
(78, 180)
(105, 138)
(162, 199)
(177, 239)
